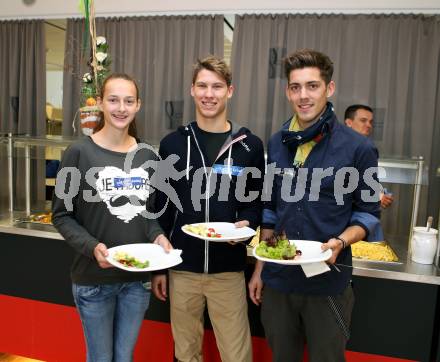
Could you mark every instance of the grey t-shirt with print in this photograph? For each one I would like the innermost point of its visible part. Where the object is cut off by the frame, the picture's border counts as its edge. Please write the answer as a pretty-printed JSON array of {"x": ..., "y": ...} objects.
[{"x": 98, "y": 199}]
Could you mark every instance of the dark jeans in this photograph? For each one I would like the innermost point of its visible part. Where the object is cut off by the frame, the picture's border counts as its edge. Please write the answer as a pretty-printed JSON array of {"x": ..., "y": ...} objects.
[{"x": 292, "y": 320}]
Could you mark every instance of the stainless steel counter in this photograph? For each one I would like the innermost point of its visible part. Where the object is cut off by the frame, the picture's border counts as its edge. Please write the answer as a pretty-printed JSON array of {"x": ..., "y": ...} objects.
[
  {"x": 405, "y": 270},
  {"x": 9, "y": 225}
]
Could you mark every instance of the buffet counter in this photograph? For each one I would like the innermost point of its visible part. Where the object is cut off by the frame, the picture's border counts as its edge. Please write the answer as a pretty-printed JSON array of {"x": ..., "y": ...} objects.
[
  {"x": 403, "y": 270},
  {"x": 10, "y": 225},
  {"x": 395, "y": 318},
  {"x": 407, "y": 270}
]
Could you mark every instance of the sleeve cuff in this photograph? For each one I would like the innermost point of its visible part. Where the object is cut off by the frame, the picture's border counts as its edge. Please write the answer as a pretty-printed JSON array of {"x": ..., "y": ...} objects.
[
  {"x": 160, "y": 272},
  {"x": 269, "y": 217},
  {"x": 90, "y": 248},
  {"x": 370, "y": 223},
  {"x": 154, "y": 232},
  {"x": 267, "y": 226}
]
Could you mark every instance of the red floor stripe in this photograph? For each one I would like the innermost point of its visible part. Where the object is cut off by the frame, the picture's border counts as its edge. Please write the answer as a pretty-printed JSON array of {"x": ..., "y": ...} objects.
[
  {"x": 52, "y": 333},
  {"x": 40, "y": 330}
]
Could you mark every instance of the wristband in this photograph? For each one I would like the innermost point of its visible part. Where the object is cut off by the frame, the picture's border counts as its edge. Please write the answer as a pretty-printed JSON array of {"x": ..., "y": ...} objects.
[{"x": 343, "y": 241}]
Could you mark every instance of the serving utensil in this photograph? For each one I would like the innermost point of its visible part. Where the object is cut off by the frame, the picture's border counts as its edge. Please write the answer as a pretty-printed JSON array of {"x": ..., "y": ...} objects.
[{"x": 429, "y": 223}]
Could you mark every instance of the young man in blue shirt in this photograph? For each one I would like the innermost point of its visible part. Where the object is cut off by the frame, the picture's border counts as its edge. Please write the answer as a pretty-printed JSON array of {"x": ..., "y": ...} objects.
[{"x": 315, "y": 310}]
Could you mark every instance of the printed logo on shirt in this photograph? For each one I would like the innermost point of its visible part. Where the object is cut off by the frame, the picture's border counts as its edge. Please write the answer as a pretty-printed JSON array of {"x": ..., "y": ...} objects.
[
  {"x": 129, "y": 182},
  {"x": 124, "y": 194},
  {"x": 225, "y": 170},
  {"x": 245, "y": 145}
]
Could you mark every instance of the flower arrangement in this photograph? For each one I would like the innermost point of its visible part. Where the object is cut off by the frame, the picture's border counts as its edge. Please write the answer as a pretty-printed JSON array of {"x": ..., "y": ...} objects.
[
  {"x": 89, "y": 112},
  {"x": 99, "y": 69}
]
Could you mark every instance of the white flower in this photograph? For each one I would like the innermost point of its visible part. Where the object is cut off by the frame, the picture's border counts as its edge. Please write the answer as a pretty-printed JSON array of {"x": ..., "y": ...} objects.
[
  {"x": 100, "y": 40},
  {"x": 87, "y": 78},
  {"x": 100, "y": 57}
]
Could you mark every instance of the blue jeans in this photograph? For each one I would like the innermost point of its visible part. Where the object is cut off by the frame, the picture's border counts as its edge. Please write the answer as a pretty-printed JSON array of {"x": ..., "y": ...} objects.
[{"x": 111, "y": 316}]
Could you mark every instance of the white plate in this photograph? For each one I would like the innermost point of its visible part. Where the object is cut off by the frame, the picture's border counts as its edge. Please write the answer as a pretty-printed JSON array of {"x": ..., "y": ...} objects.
[
  {"x": 311, "y": 253},
  {"x": 154, "y": 253},
  {"x": 227, "y": 230}
]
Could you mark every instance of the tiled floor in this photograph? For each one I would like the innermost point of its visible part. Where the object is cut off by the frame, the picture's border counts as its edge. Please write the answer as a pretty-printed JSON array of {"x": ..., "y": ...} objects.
[{"x": 11, "y": 358}]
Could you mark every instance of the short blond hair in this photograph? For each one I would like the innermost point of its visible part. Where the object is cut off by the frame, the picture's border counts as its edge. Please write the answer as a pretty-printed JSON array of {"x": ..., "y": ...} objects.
[{"x": 214, "y": 64}]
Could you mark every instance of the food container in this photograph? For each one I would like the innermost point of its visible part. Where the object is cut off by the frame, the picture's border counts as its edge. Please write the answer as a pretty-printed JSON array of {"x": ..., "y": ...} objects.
[
  {"x": 423, "y": 245},
  {"x": 374, "y": 251}
]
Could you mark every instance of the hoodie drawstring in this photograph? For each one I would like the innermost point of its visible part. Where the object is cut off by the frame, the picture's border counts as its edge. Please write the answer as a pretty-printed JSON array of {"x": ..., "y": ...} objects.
[
  {"x": 188, "y": 154},
  {"x": 229, "y": 162}
]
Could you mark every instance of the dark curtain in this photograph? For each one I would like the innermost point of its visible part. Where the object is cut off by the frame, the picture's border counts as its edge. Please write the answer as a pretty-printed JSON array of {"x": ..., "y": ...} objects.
[
  {"x": 23, "y": 102},
  {"x": 75, "y": 65},
  {"x": 23, "y": 77}
]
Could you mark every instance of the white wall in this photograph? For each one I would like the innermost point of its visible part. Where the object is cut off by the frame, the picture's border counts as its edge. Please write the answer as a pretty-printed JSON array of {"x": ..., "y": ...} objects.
[
  {"x": 69, "y": 8},
  {"x": 54, "y": 88}
]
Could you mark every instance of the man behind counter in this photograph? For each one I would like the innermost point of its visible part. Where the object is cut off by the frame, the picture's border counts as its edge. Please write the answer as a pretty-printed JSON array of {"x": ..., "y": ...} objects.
[{"x": 360, "y": 118}]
